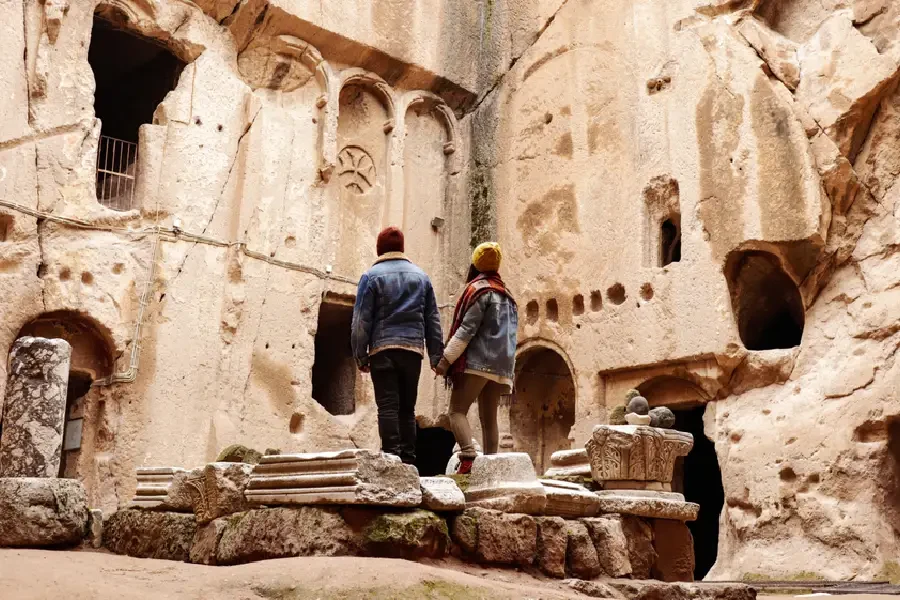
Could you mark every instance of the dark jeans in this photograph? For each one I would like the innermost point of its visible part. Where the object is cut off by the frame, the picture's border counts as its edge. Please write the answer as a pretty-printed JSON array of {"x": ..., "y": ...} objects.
[{"x": 395, "y": 375}]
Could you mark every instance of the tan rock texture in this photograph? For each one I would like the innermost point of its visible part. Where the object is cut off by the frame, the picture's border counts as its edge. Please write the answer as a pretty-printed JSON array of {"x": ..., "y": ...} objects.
[
  {"x": 42, "y": 512},
  {"x": 694, "y": 199},
  {"x": 150, "y": 534}
]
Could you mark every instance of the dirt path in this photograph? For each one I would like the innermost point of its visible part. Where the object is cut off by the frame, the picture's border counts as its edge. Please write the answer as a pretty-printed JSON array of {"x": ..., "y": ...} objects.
[{"x": 50, "y": 575}]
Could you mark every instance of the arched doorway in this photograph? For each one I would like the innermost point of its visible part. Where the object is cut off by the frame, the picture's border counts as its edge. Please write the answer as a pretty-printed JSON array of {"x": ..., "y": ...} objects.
[
  {"x": 542, "y": 410},
  {"x": 92, "y": 359}
]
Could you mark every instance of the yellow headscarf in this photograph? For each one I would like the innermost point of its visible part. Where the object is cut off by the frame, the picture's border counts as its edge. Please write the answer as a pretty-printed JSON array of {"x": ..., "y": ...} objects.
[{"x": 487, "y": 256}]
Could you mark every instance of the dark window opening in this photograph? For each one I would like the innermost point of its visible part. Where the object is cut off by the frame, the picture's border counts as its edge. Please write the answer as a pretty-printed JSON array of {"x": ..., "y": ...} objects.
[
  {"x": 578, "y": 305},
  {"x": 766, "y": 302},
  {"x": 552, "y": 310},
  {"x": 334, "y": 369},
  {"x": 698, "y": 477},
  {"x": 78, "y": 388},
  {"x": 532, "y": 312},
  {"x": 434, "y": 447},
  {"x": 670, "y": 241},
  {"x": 132, "y": 75}
]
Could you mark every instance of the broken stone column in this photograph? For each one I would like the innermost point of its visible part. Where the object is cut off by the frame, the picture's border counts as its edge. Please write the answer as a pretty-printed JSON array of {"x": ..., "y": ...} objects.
[{"x": 35, "y": 407}]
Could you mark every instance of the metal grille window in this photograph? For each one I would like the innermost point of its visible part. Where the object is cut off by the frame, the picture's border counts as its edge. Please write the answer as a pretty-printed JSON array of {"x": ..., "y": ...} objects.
[{"x": 116, "y": 168}]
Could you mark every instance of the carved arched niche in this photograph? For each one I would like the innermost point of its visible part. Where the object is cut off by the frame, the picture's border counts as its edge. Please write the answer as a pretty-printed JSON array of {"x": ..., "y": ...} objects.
[
  {"x": 428, "y": 131},
  {"x": 542, "y": 411},
  {"x": 362, "y": 169}
]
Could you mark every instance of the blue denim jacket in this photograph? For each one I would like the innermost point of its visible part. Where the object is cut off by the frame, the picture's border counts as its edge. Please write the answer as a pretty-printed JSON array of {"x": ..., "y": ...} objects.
[
  {"x": 395, "y": 307},
  {"x": 490, "y": 326}
]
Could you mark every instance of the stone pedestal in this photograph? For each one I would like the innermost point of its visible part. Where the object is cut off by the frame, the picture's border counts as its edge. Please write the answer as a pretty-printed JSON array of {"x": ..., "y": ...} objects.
[
  {"x": 634, "y": 464},
  {"x": 506, "y": 482},
  {"x": 35, "y": 407},
  {"x": 344, "y": 477}
]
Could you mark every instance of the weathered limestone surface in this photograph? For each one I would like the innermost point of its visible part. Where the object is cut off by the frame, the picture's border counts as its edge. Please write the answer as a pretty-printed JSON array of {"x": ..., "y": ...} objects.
[
  {"x": 569, "y": 500},
  {"x": 150, "y": 534},
  {"x": 280, "y": 532},
  {"x": 612, "y": 547},
  {"x": 642, "y": 554},
  {"x": 635, "y": 453},
  {"x": 153, "y": 487},
  {"x": 647, "y": 590},
  {"x": 410, "y": 535},
  {"x": 219, "y": 490},
  {"x": 35, "y": 405},
  {"x": 582, "y": 559},
  {"x": 552, "y": 543},
  {"x": 441, "y": 494},
  {"x": 506, "y": 482},
  {"x": 674, "y": 551},
  {"x": 41, "y": 512},
  {"x": 505, "y": 538},
  {"x": 345, "y": 477},
  {"x": 661, "y": 506},
  {"x": 569, "y": 463}
]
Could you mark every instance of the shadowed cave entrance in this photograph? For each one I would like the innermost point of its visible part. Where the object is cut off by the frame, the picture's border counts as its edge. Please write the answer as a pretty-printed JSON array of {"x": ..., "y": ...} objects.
[
  {"x": 434, "y": 447},
  {"x": 542, "y": 411},
  {"x": 765, "y": 301},
  {"x": 334, "y": 369},
  {"x": 698, "y": 477}
]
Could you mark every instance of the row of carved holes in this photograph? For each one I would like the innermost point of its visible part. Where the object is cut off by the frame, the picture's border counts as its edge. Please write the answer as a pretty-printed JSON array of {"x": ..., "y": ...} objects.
[{"x": 615, "y": 294}]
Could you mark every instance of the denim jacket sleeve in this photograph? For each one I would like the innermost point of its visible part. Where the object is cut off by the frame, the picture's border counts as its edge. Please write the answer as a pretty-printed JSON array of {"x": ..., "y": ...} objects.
[
  {"x": 363, "y": 317},
  {"x": 472, "y": 320},
  {"x": 434, "y": 337}
]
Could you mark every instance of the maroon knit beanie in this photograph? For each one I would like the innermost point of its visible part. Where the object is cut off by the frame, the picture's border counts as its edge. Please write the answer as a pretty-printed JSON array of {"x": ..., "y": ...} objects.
[{"x": 389, "y": 240}]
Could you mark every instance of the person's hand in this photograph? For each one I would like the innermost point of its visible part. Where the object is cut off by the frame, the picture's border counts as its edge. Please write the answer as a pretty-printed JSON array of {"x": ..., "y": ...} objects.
[
  {"x": 364, "y": 369},
  {"x": 442, "y": 367}
]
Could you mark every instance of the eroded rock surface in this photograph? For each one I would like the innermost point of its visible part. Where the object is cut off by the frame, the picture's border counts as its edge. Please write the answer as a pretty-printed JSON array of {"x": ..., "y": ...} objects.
[{"x": 42, "y": 512}]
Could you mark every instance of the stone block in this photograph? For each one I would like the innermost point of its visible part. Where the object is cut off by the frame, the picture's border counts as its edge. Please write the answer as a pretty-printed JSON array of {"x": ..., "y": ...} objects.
[
  {"x": 569, "y": 500},
  {"x": 286, "y": 531},
  {"x": 95, "y": 528},
  {"x": 34, "y": 408},
  {"x": 343, "y": 477},
  {"x": 654, "y": 590},
  {"x": 150, "y": 534},
  {"x": 504, "y": 538},
  {"x": 153, "y": 485},
  {"x": 551, "y": 545},
  {"x": 464, "y": 530},
  {"x": 441, "y": 494},
  {"x": 219, "y": 490},
  {"x": 652, "y": 505},
  {"x": 674, "y": 547},
  {"x": 180, "y": 496},
  {"x": 611, "y": 545},
  {"x": 42, "y": 512},
  {"x": 409, "y": 535},
  {"x": 569, "y": 463},
  {"x": 506, "y": 482},
  {"x": 581, "y": 556},
  {"x": 639, "y": 538},
  {"x": 206, "y": 542}
]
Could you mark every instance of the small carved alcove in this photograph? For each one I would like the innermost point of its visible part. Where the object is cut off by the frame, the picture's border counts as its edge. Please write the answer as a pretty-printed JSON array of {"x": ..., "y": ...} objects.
[{"x": 662, "y": 222}]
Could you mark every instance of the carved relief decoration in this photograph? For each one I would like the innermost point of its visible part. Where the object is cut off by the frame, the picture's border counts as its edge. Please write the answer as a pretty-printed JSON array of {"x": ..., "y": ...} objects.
[
  {"x": 280, "y": 62},
  {"x": 626, "y": 452},
  {"x": 356, "y": 169}
]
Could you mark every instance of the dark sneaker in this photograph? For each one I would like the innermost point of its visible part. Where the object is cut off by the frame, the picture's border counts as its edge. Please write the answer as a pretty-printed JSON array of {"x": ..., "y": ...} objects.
[{"x": 465, "y": 466}]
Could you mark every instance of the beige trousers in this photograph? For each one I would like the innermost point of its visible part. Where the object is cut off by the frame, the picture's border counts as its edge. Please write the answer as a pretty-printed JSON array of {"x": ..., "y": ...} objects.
[{"x": 468, "y": 387}]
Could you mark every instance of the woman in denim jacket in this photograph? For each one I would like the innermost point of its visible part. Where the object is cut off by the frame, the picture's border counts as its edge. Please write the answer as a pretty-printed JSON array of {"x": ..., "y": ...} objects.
[{"x": 480, "y": 355}]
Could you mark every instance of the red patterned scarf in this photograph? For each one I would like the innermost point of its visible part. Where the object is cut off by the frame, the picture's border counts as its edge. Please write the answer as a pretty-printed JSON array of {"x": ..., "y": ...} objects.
[{"x": 474, "y": 290}]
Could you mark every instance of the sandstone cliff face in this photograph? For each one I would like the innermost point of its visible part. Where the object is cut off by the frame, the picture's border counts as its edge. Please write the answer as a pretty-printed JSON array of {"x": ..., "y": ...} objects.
[
  {"x": 695, "y": 198},
  {"x": 765, "y": 134}
]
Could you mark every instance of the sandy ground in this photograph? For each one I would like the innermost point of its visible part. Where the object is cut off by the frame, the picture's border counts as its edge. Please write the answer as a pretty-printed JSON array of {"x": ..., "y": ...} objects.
[{"x": 58, "y": 575}]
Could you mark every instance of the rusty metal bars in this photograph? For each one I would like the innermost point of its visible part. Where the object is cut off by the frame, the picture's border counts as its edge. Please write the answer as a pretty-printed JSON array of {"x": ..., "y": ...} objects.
[{"x": 116, "y": 170}]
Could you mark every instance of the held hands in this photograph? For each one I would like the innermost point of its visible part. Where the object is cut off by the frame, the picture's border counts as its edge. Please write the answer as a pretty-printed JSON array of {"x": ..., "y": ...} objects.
[
  {"x": 364, "y": 369},
  {"x": 442, "y": 367}
]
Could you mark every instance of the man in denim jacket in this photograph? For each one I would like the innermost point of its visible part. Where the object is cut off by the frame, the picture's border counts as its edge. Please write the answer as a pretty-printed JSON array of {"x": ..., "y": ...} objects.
[{"x": 395, "y": 315}]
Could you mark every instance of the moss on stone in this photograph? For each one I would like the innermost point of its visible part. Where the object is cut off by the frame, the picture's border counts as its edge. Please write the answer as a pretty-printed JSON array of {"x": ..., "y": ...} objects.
[
  {"x": 239, "y": 453},
  {"x": 404, "y": 528},
  {"x": 890, "y": 571},
  {"x": 617, "y": 416},
  {"x": 632, "y": 393},
  {"x": 798, "y": 576},
  {"x": 429, "y": 590},
  {"x": 462, "y": 481}
]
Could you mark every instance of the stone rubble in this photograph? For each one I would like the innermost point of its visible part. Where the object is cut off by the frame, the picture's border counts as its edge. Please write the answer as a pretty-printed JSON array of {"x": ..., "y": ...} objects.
[
  {"x": 441, "y": 494},
  {"x": 42, "y": 512},
  {"x": 570, "y": 500}
]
